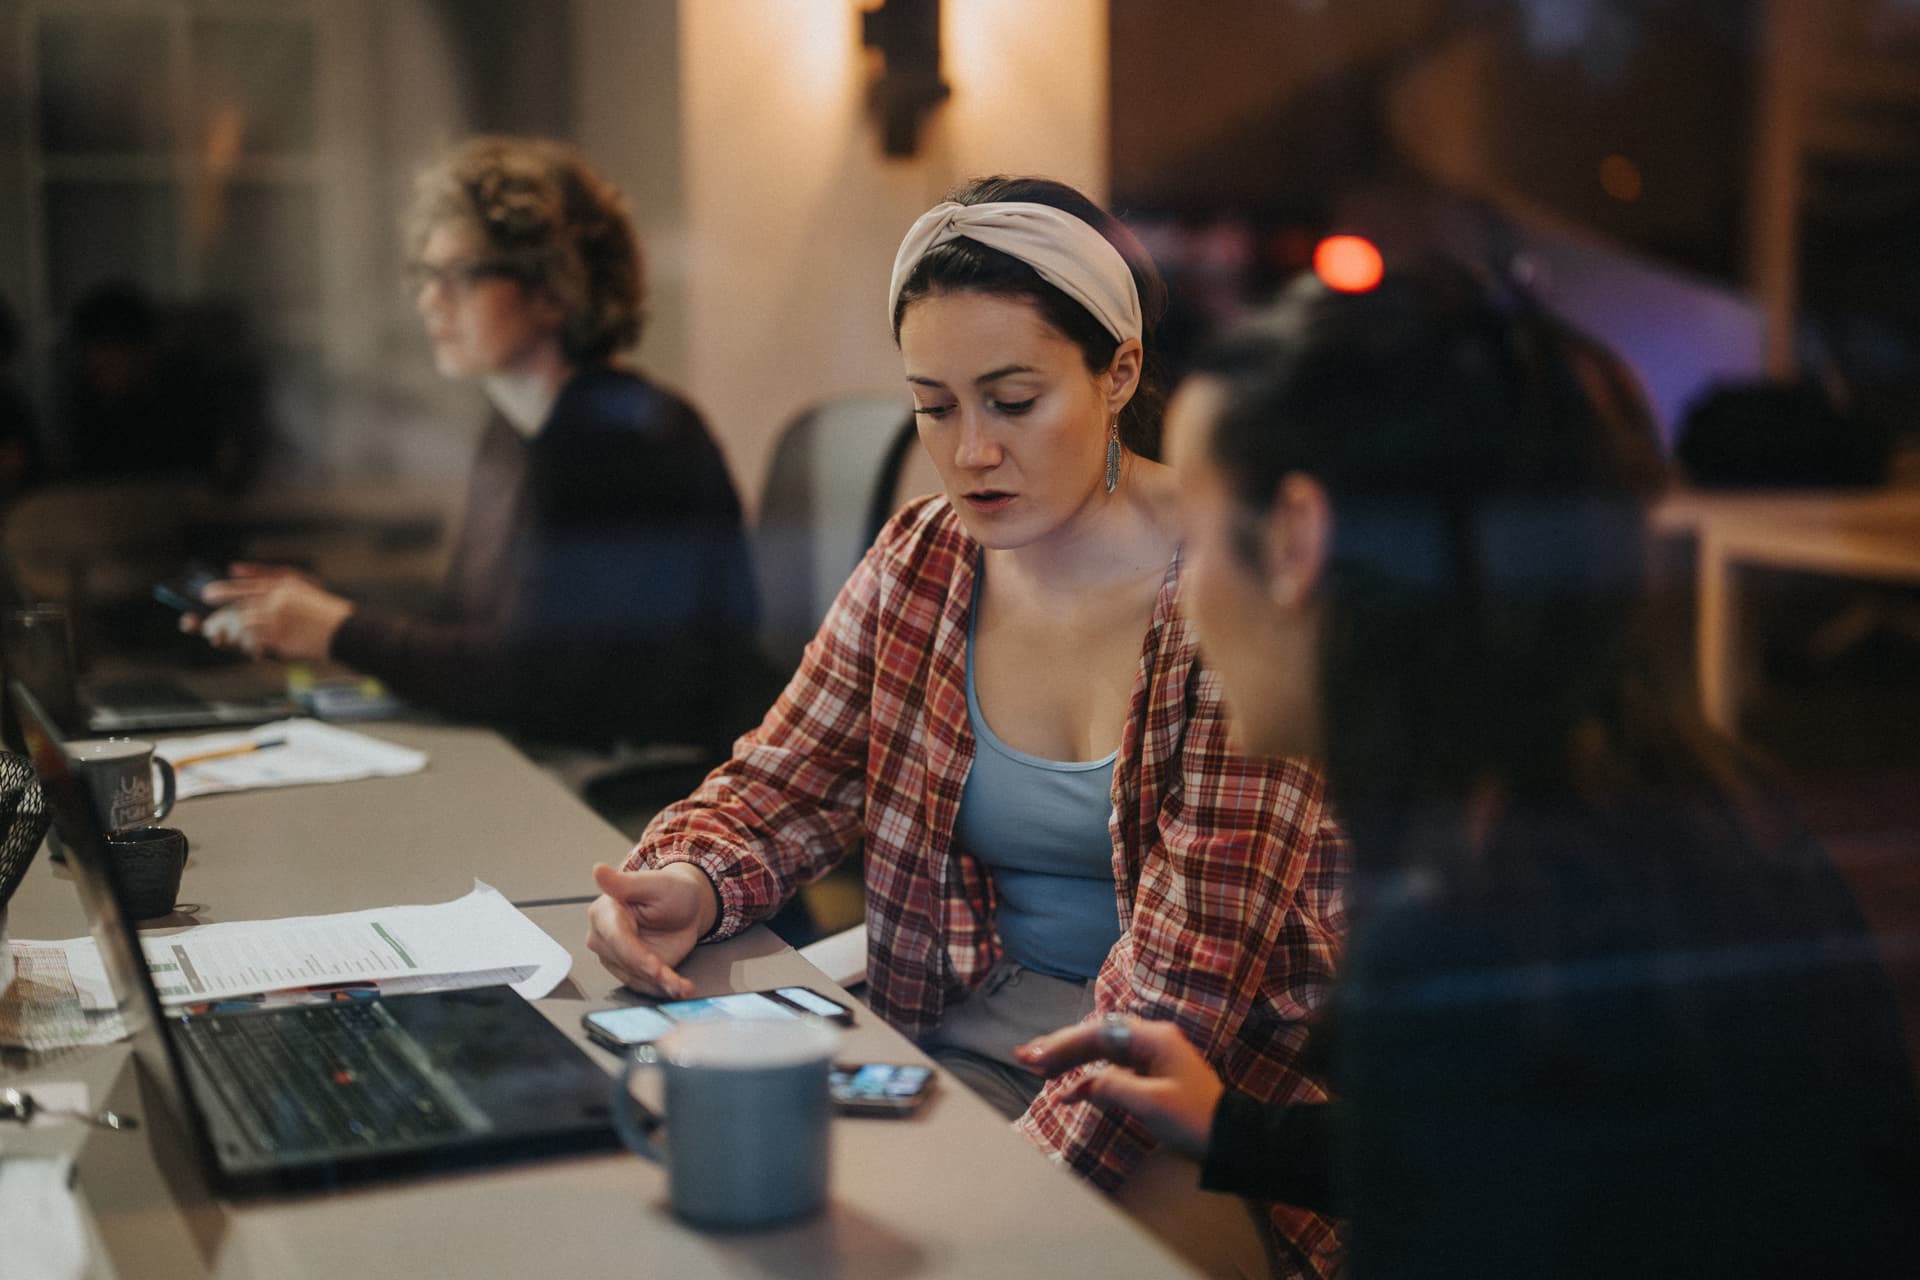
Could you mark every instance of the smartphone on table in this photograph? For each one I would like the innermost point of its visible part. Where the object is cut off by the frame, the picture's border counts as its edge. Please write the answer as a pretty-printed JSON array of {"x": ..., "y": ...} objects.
[
  {"x": 620, "y": 1029},
  {"x": 879, "y": 1088}
]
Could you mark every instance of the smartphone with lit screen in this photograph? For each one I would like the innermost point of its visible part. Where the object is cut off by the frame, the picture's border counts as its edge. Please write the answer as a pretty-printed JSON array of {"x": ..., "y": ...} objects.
[
  {"x": 879, "y": 1088},
  {"x": 619, "y": 1029}
]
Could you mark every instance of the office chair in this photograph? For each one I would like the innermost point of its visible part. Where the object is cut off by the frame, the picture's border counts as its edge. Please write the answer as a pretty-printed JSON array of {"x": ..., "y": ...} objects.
[
  {"x": 839, "y": 473},
  {"x": 817, "y": 512}
]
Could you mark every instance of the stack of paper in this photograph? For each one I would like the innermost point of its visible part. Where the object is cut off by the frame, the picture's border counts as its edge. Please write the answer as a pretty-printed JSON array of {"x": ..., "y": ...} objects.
[
  {"x": 285, "y": 753},
  {"x": 43, "y": 1010}
]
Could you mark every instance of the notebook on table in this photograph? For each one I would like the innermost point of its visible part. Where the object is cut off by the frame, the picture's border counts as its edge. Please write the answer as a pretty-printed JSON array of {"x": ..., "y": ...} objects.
[{"x": 295, "y": 1096}]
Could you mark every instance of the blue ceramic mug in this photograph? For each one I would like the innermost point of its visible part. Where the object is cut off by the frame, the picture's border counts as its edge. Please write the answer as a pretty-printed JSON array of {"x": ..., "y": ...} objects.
[{"x": 744, "y": 1138}]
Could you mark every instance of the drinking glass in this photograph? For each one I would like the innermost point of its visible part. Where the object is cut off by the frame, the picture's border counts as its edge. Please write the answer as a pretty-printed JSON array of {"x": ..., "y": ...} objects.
[{"x": 37, "y": 645}]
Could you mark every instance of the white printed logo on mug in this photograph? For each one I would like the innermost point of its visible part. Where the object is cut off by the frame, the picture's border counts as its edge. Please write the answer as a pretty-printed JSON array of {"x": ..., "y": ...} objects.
[{"x": 132, "y": 801}]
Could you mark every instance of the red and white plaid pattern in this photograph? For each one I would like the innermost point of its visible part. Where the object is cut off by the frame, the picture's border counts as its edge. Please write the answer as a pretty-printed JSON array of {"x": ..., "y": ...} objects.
[{"x": 1229, "y": 869}]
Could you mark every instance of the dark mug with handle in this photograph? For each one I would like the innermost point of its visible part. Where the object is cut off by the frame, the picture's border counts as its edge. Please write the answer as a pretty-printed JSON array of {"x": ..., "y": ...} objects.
[{"x": 119, "y": 775}]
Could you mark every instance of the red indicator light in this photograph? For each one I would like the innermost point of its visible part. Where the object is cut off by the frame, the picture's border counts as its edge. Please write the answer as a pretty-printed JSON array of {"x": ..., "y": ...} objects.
[{"x": 1348, "y": 263}]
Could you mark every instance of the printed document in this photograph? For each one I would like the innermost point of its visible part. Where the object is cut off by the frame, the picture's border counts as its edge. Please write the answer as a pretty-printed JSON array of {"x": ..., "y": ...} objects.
[
  {"x": 286, "y": 753},
  {"x": 475, "y": 940}
]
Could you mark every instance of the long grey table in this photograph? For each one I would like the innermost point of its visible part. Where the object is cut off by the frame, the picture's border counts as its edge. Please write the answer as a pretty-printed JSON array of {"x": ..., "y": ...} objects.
[{"x": 953, "y": 1192}]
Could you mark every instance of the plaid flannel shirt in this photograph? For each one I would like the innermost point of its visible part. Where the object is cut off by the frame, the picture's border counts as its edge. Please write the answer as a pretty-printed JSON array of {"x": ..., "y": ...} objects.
[{"x": 1227, "y": 869}]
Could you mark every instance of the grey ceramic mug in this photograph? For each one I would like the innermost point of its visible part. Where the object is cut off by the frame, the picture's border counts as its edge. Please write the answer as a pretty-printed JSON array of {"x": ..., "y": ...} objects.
[
  {"x": 119, "y": 774},
  {"x": 744, "y": 1139}
]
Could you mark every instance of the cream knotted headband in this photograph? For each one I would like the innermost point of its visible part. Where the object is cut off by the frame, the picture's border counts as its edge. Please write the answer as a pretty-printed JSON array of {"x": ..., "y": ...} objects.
[{"x": 1068, "y": 254}]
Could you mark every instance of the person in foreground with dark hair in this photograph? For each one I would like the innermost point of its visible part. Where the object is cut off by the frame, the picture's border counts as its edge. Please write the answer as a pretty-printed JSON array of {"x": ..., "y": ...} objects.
[
  {"x": 600, "y": 587},
  {"x": 1606, "y": 1008},
  {"x": 1005, "y": 710}
]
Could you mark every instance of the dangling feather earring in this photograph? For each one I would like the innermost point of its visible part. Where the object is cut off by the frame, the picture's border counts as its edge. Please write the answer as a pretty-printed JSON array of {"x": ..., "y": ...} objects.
[{"x": 1113, "y": 457}]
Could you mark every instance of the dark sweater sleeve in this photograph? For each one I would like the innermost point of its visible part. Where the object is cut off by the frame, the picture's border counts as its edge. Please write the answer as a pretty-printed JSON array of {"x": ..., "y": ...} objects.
[
  {"x": 629, "y": 600},
  {"x": 1273, "y": 1151}
]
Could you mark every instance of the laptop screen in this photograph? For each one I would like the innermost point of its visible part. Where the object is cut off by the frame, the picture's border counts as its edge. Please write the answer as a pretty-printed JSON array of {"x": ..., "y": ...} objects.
[{"x": 134, "y": 994}]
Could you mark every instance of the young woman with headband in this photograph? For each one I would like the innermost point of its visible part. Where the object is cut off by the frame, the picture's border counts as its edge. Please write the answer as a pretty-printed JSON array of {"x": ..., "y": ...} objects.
[{"x": 1006, "y": 710}]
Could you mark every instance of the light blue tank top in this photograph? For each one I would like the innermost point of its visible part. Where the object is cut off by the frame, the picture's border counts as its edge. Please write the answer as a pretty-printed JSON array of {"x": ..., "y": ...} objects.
[{"x": 1040, "y": 829}]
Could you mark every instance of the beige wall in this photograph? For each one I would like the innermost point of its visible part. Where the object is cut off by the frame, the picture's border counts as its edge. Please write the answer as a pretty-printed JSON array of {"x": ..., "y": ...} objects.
[
  {"x": 627, "y": 114},
  {"x": 737, "y": 129},
  {"x": 791, "y": 212}
]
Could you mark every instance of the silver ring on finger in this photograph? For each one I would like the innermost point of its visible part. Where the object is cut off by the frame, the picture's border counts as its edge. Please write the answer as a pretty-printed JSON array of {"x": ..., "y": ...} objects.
[{"x": 1116, "y": 1038}]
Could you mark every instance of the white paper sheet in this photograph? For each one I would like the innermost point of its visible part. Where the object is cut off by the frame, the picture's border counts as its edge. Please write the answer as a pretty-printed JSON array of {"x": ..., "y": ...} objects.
[
  {"x": 308, "y": 752},
  {"x": 40, "y": 1220},
  {"x": 474, "y": 940}
]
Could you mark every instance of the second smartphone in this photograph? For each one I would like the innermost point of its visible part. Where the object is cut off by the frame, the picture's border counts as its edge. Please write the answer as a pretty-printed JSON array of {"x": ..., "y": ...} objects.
[{"x": 619, "y": 1029}]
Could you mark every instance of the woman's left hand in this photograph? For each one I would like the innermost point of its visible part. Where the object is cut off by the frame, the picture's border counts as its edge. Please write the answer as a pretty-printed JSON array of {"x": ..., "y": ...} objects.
[
  {"x": 287, "y": 616},
  {"x": 1161, "y": 1078}
]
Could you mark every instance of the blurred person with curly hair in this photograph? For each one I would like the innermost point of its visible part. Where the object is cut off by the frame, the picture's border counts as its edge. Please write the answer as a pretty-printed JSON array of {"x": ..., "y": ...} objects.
[{"x": 599, "y": 589}]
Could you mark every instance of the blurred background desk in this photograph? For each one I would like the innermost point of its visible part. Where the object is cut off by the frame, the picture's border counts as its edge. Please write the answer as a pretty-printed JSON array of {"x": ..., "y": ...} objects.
[{"x": 1871, "y": 535}]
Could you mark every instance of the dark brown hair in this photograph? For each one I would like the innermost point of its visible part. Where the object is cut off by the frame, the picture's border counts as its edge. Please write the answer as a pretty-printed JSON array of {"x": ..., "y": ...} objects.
[{"x": 1482, "y": 604}]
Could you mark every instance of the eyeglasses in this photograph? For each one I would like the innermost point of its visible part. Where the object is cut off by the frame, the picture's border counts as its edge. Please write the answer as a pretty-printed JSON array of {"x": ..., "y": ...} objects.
[{"x": 456, "y": 277}]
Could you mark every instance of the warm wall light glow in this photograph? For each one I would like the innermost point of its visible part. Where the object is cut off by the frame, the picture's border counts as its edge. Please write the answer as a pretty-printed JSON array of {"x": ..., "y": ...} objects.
[
  {"x": 819, "y": 44},
  {"x": 1348, "y": 263},
  {"x": 1620, "y": 178},
  {"x": 1014, "y": 63}
]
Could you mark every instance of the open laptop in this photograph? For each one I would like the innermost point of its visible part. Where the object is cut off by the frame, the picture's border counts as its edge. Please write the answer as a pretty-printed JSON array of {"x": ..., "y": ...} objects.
[
  {"x": 148, "y": 704},
  {"x": 157, "y": 703},
  {"x": 298, "y": 1096}
]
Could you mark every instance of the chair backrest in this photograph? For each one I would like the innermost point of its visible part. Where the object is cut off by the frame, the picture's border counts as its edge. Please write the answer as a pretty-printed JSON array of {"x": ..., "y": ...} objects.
[{"x": 816, "y": 512}]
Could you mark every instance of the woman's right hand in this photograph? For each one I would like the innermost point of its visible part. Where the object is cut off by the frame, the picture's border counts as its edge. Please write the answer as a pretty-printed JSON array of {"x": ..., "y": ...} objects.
[{"x": 645, "y": 922}]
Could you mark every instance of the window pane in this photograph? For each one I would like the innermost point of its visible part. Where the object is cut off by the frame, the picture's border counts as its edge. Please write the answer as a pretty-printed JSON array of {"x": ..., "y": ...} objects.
[
  {"x": 266, "y": 247},
  {"x": 109, "y": 231},
  {"x": 103, "y": 84},
  {"x": 253, "y": 86}
]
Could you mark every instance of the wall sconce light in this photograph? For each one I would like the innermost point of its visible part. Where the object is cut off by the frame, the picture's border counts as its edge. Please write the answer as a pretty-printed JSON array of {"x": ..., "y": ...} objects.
[{"x": 908, "y": 85}]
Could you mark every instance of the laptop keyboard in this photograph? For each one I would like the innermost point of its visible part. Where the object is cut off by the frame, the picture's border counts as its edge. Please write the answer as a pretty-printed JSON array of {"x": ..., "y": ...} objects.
[{"x": 328, "y": 1078}]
